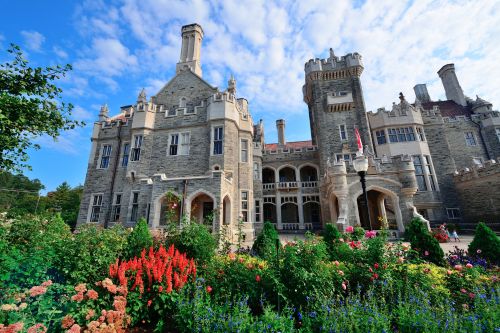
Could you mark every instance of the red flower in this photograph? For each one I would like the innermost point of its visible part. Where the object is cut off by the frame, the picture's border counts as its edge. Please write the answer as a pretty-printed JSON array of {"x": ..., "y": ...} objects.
[
  {"x": 376, "y": 265},
  {"x": 149, "y": 303},
  {"x": 257, "y": 278},
  {"x": 160, "y": 289},
  {"x": 375, "y": 276},
  {"x": 209, "y": 289}
]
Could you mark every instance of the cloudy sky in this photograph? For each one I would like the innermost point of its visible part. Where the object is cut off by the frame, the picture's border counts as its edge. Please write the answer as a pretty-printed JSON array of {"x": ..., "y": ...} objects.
[{"x": 117, "y": 47}]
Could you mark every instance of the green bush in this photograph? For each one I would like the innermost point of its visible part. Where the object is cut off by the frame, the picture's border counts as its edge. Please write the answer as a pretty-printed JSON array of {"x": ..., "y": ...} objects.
[
  {"x": 424, "y": 243},
  {"x": 485, "y": 244},
  {"x": 196, "y": 241},
  {"x": 140, "y": 238},
  {"x": 87, "y": 256},
  {"x": 265, "y": 244}
]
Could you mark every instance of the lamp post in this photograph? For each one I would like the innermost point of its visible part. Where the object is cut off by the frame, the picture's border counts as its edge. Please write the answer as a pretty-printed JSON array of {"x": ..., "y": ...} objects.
[{"x": 361, "y": 166}]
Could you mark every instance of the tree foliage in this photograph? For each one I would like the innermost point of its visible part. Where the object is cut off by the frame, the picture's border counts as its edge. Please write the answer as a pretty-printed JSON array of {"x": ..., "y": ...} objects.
[
  {"x": 486, "y": 244},
  {"x": 30, "y": 106},
  {"x": 65, "y": 200},
  {"x": 423, "y": 242},
  {"x": 19, "y": 194}
]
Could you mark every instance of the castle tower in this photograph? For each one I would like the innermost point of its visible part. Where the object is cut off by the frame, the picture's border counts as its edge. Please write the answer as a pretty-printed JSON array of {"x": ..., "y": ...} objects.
[
  {"x": 451, "y": 85},
  {"x": 192, "y": 35},
  {"x": 336, "y": 106}
]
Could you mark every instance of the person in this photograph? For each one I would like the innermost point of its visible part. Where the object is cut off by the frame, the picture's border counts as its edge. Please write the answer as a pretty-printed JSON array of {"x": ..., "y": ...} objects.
[{"x": 455, "y": 235}]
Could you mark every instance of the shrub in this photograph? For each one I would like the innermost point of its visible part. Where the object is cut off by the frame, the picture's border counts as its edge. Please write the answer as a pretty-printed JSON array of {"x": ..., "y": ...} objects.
[
  {"x": 265, "y": 244},
  {"x": 485, "y": 244},
  {"x": 87, "y": 256},
  {"x": 196, "y": 241},
  {"x": 422, "y": 241},
  {"x": 140, "y": 238}
]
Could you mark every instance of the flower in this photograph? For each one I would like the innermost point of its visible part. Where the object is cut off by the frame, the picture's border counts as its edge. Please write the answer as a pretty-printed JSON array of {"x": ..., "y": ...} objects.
[
  {"x": 349, "y": 229},
  {"x": 426, "y": 253},
  {"x": 370, "y": 234},
  {"x": 469, "y": 265},
  {"x": 23, "y": 306},
  {"x": 16, "y": 327},
  {"x": 38, "y": 290},
  {"x": 92, "y": 294},
  {"x": 6, "y": 307},
  {"x": 478, "y": 251},
  {"x": 90, "y": 314},
  {"x": 458, "y": 267},
  {"x": 449, "y": 272},
  {"x": 160, "y": 289},
  {"x": 209, "y": 289},
  {"x": 344, "y": 286},
  {"x": 149, "y": 303},
  {"x": 47, "y": 283},
  {"x": 38, "y": 328},
  {"x": 82, "y": 287},
  {"x": 336, "y": 263},
  {"x": 463, "y": 291},
  {"x": 67, "y": 322},
  {"x": 74, "y": 329},
  {"x": 78, "y": 297},
  {"x": 376, "y": 265},
  {"x": 257, "y": 278},
  {"x": 241, "y": 260},
  {"x": 341, "y": 273}
]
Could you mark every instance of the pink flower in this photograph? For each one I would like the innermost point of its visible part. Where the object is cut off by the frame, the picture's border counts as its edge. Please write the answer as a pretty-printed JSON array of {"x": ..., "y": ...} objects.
[
  {"x": 92, "y": 294},
  {"x": 74, "y": 329},
  {"x": 463, "y": 291},
  {"x": 458, "y": 267},
  {"x": 449, "y": 272},
  {"x": 426, "y": 253},
  {"x": 149, "y": 303},
  {"x": 469, "y": 265},
  {"x": 82, "y": 287},
  {"x": 341, "y": 240},
  {"x": 67, "y": 322},
  {"x": 336, "y": 263},
  {"x": 341, "y": 273},
  {"x": 478, "y": 251},
  {"x": 257, "y": 278},
  {"x": 47, "y": 284},
  {"x": 78, "y": 297},
  {"x": 472, "y": 295},
  {"x": 37, "y": 290},
  {"x": 344, "y": 286},
  {"x": 38, "y": 328},
  {"x": 349, "y": 229},
  {"x": 16, "y": 327},
  {"x": 370, "y": 234},
  {"x": 209, "y": 289}
]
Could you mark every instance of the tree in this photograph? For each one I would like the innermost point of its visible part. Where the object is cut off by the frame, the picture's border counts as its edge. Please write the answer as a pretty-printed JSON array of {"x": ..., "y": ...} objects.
[
  {"x": 30, "y": 106},
  {"x": 423, "y": 242},
  {"x": 19, "y": 194},
  {"x": 486, "y": 244},
  {"x": 65, "y": 200}
]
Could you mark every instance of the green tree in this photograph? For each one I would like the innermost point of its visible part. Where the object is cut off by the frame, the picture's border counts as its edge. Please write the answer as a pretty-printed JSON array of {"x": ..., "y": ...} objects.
[
  {"x": 265, "y": 244},
  {"x": 139, "y": 239},
  {"x": 66, "y": 201},
  {"x": 19, "y": 194},
  {"x": 423, "y": 242},
  {"x": 485, "y": 244},
  {"x": 30, "y": 106}
]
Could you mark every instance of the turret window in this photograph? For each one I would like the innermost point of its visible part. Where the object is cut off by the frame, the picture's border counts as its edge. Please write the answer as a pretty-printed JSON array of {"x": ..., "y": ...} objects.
[
  {"x": 136, "y": 151},
  {"x": 244, "y": 150},
  {"x": 420, "y": 134},
  {"x": 126, "y": 151},
  {"x": 244, "y": 206},
  {"x": 402, "y": 134},
  {"x": 419, "y": 173},
  {"x": 470, "y": 139},
  {"x": 218, "y": 139},
  {"x": 106, "y": 153}
]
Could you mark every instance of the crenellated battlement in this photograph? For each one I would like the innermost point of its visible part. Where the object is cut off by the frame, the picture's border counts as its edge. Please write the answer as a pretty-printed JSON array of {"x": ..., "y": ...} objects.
[
  {"x": 351, "y": 63},
  {"x": 489, "y": 168}
]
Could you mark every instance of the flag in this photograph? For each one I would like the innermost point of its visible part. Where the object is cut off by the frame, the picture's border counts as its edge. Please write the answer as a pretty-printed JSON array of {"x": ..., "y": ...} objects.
[{"x": 358, "y": 141}]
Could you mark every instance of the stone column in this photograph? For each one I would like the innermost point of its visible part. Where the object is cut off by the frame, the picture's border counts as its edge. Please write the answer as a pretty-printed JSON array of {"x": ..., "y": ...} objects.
[{"x": 301, "y": 212}]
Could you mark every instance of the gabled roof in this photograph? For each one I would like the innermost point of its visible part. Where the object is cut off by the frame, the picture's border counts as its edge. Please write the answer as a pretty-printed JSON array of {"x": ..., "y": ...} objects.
[
  {"x": 181, "y": 73},
  {"x": 290, "y": 145}
]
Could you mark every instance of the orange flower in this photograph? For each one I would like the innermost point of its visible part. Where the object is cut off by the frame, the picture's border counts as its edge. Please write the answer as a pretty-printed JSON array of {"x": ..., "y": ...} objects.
[
  {"x": 38, "y": 328},
  {"x": 67, "y": 322},
  {"x": 78, "y": 297},
  {"x": 82, "y": 287},
  {"x": 92, "y": 294},
  {"x": 90, "y": 314},
  {"x": 37, "y": 290}
]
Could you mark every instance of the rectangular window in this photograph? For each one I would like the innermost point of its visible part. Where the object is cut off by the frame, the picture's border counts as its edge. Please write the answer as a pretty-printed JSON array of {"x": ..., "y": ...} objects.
[
  {"x": 172, "y": 112},
  {"x": 343, "y": 133},
  {"x": 420, "y": 134},
  {"x": 173, "y": 145},
  {"x": 244, "y": 206},
  {"x": 381, "y": 139},
  {"x": 244, "y": 150},
  {"x": 470, "y": 140},
  {"x": 185, "y": 140},
  {"x": 117, "y": 203},
  {"x": 218, "y": 139},
  {"x": 257, "y": 211},
  {"x": 410, "y": 134},
  {"x": 256, "y": 171},
  {"x": 106, "y": 153},
  {"x": 497, "y": 130},
  {"x": 401, "y": 134},
  {"x": 96, "y": 208},
  {"x": 419, "y": 173},
  {"x": 428, "y": 168},
  {"x": 453, "y": 213},
  {"x": 126, "y": 151},
  {"x": 393, "y": 137},
  {"x": 135, "y": 206},
  {"x": 136, "y": 150}
]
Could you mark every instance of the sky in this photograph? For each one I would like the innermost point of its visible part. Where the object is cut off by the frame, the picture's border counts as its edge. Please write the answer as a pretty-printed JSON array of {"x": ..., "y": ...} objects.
[{"x": 118, "y": 47}]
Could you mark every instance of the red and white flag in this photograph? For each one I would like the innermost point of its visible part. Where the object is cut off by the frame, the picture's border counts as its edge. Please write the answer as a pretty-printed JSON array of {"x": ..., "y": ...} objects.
[{"x": 358, "y": 141}]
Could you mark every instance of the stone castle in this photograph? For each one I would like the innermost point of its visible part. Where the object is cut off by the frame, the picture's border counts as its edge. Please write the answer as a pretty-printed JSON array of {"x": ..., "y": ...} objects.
[{"x": 194, "y": 150}]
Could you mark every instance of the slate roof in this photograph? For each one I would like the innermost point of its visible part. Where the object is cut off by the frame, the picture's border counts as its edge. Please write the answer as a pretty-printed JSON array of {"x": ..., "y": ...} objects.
[{"x": 291, "y": 145}]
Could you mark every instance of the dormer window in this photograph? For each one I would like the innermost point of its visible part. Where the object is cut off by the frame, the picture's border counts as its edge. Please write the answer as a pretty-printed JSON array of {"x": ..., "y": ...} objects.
[{"x": 182, "y": 102}]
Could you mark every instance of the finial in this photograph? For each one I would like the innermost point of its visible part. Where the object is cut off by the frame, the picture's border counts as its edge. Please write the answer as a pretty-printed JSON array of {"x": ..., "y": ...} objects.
[
  {"x": 103, "y": 113},
  {"x": 401, "y": 97},
  {"x": 231, "y": 85},
  {"x": 142, "y": 96}
]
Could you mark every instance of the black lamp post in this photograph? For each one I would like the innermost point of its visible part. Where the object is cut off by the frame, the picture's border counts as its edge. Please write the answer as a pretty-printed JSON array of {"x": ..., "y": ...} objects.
[{"x": 361, "y": 166}]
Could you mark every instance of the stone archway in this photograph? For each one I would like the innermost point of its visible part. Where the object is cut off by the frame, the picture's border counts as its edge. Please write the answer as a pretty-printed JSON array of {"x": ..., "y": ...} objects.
[
  {"x": 226, "y": 210},
  {"x": 166, "y": 207},
  {"x": 202, "y": 208}
]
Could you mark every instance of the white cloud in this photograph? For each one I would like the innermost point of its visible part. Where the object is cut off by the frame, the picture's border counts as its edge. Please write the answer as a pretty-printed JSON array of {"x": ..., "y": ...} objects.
[
  {"x": 60, "y": 52},
  {"x": 33, "y": 40},
  {"x": 266, "y": 43},
  {"x": 81, "y": 114}
]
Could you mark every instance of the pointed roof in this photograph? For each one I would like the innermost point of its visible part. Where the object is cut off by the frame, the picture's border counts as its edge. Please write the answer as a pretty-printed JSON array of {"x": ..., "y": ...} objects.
[{"x": 142, "y": 96}]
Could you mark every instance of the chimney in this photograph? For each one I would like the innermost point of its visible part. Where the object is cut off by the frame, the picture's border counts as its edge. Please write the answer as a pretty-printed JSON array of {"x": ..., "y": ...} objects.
[
  {"x": 280, "y": 126},
  {"x": 192, "y": 35},
  {"x": 451, "y": 86},
  {"x": 421, "y": 93}
]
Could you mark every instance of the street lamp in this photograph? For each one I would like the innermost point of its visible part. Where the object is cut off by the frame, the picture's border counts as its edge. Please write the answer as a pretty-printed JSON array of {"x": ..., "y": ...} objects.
[{"x": 361, "y": 166}]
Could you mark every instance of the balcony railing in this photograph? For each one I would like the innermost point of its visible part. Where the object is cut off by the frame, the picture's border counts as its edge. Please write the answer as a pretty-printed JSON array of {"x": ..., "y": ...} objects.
[
  {"x": 268, "y": 186},
  {"x": 289, "y": 185}
]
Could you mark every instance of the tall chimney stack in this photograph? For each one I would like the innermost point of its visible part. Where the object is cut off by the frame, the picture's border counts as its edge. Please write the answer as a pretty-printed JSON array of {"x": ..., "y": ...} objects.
[
  {"x": 421, "y": 93},
  {"x": 280, "y": 126},
  {"x": 192, "y": 35},
  {"x": 451, "y": 85}
]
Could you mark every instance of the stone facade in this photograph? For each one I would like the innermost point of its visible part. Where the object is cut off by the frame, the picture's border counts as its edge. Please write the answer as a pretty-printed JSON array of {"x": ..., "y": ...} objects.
[{"x": 196, "y": 143}]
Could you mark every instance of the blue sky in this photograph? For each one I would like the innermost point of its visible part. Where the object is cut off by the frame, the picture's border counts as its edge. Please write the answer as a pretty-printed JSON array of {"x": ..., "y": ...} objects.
[{"x": 118, "y": 47}]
